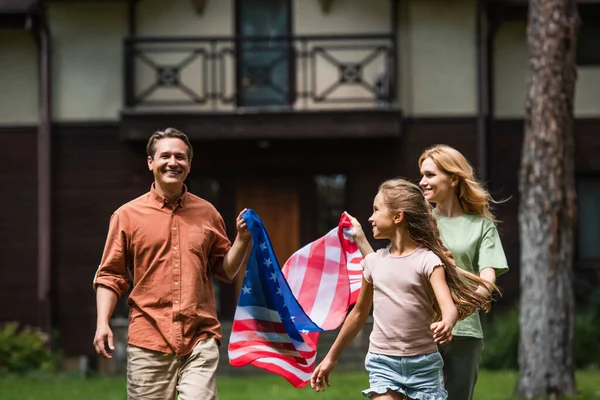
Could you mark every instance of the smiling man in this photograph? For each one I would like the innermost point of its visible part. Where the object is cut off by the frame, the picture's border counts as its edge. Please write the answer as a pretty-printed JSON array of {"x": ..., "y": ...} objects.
[{"x": 171, "y": 243}]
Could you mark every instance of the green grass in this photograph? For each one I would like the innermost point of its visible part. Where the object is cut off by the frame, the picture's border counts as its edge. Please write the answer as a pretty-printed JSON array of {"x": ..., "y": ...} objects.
[{"x": 345, "y": 385}]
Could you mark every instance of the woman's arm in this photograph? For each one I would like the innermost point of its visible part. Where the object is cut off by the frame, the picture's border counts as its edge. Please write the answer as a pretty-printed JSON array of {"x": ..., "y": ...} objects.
[
  {"x": 442, "y": 330},
  {"x": 489, "y": 274}
]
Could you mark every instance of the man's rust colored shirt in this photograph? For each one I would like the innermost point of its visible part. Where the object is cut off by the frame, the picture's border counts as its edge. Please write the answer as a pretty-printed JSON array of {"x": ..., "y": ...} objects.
[{"x": 171, "y": 251}]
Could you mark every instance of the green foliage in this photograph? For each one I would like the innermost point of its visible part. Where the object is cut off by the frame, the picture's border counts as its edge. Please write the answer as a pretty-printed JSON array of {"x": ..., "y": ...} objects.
[
  {"x": 24, "y": 350},
  {"x": 502, "y": 340},
  {"x": 587, "y": 340}
]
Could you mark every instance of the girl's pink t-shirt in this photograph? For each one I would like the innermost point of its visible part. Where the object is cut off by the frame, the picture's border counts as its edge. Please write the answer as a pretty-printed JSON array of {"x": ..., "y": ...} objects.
[{"x": 403, "y": 301}]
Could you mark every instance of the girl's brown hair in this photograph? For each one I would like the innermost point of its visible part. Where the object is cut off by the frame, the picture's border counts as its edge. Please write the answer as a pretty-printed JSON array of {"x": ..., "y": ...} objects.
[
  {"x": 401, "y": 195},
  {"x": 473, "y": 198}
]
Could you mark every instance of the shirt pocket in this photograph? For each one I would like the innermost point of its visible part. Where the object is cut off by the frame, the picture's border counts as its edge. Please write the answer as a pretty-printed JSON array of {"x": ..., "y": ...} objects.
[{"x": 199, "y": 244}]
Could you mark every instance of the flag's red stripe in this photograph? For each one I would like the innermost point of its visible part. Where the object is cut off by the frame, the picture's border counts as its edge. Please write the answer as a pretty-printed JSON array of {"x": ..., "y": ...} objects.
[
  {"x": 275, "y": 345},
  {"x": 296, "y": 381},
  {"x": 286, "y": 373},
  {"x": 258, "y": 326},
  {"x": 339, "y": 306},
  {"x": 304, "y": 368},
  {"x": 246, "y": 359},
  {"x": 312, "y": 276},
  {"x": 304, "y": 354}
]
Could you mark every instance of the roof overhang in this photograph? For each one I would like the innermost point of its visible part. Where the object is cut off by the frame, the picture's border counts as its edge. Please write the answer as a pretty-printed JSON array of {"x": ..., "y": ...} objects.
[{"x": 19, "y": 13}]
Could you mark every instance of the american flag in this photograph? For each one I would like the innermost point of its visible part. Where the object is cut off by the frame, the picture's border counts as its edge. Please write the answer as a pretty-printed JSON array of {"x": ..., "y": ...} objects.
[{"x": 280, "y": 312}]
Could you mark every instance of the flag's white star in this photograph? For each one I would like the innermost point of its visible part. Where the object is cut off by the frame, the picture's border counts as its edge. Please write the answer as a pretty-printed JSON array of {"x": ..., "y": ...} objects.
[
  {"x": 279, "y": 291},
  {"x": 246, "y": 290},
  {"x": 293, "y": 318},
  {"x": 263, "y": 246},
  {"x": 304, "y": 332},
  {"x": 246, "y": 273},
  {"x": 273, "y": 277},
  {"x": 267, "y": 262}
]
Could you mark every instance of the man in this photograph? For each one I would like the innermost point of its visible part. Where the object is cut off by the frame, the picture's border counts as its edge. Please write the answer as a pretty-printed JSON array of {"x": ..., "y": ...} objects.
[{"x": 171, "y": 242}]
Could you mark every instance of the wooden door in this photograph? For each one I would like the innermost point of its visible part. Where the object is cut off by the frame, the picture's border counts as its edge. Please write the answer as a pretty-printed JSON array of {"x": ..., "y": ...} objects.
[{"x": 276, "y": 203}]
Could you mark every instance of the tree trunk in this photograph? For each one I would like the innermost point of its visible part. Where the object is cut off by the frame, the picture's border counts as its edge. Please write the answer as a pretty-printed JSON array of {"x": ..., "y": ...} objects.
[{"x": 547, "y": 203}]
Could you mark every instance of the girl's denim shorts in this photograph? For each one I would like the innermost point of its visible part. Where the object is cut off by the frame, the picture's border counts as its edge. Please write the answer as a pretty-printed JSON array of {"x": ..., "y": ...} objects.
[{"x": 418, "y": 377}]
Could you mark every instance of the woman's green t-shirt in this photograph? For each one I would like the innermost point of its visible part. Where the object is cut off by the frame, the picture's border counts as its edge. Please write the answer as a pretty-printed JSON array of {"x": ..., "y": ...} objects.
[{"x": 475, "y": 243}]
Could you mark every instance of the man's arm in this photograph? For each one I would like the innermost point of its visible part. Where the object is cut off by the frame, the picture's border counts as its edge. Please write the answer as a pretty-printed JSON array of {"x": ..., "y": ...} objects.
[
  {"x": 106, "y": 301},
  {"x": 238, "y": 255},
  {"x": 110, "y": 282}
]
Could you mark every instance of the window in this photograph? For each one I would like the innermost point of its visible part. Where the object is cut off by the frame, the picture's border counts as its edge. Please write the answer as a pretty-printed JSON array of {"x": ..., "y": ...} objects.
[
  {"x": 588, "y": 50},
  {"x": 588, "y": 233},
  {"x": 331, "y": 201},
  {"x": 264, "y": 59}
]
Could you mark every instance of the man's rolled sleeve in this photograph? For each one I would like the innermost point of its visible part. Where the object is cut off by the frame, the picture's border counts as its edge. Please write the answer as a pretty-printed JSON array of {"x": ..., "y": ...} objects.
[
  {"x": 112, "y": 271},
  {"x": 219, "y": 249}
]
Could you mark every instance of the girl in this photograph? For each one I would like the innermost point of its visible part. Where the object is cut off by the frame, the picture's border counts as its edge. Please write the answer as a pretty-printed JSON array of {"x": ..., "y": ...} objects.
[
  {"x": 468, "y": 229},
  {"x": 417, "y": 295}
]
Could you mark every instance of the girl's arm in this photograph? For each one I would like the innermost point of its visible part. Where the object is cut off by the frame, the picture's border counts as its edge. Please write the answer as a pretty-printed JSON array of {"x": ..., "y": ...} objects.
[
  {"x": 442, "y": 330},
  {"x": 359, "y": 236},
  {"x": 352, "y": 325}
]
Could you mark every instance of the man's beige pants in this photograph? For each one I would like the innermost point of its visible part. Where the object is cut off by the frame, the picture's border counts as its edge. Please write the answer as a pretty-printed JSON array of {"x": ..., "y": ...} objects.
[{"x": 152, "y": 375}]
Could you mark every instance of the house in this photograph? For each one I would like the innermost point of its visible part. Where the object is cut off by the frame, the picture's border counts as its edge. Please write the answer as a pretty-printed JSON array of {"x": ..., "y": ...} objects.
[{"x": 296, "y": 108}]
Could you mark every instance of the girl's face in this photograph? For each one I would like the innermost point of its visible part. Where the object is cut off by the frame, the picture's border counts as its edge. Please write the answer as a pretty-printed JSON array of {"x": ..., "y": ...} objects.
[
  {"x": 437, "y": 185},
  {"x": 382, "y": 220}
]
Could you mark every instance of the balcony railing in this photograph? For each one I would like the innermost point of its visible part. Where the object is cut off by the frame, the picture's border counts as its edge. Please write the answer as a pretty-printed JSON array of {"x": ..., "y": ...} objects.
[{"x": 302, "y": 72}]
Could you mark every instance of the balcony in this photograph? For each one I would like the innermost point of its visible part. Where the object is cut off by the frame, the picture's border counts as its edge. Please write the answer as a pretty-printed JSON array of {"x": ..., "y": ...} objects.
[{"x": 214, "y": 79}]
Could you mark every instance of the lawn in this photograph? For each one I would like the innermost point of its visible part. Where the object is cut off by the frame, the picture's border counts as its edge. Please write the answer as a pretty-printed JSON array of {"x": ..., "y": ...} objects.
[{"x": 491, "y": 386}]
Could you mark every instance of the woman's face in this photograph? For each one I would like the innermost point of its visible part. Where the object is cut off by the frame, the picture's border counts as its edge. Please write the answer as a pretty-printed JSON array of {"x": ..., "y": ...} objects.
[{"x": 437, "y": 185}]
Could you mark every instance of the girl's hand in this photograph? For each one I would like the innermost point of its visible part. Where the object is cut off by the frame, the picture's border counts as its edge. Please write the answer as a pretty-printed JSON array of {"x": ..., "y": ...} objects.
[
  {"x": 320, "y": 375},
  {"x": 442, "y": 331},
  {"x": 358, "y": 231}
]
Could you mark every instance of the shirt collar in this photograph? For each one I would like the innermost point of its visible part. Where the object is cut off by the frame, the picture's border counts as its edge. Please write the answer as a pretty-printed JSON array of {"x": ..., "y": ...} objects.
[{"x": 162, "y": 201}]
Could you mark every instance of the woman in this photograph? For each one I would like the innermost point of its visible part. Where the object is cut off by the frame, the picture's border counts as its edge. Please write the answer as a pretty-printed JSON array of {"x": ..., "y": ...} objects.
[{"x": 468, "y": 230}]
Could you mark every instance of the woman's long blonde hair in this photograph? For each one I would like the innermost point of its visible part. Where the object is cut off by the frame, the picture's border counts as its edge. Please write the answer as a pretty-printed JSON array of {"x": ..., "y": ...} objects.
[
  {"x": 401, "y": 195},
  {"x": 473, "y": 198}
]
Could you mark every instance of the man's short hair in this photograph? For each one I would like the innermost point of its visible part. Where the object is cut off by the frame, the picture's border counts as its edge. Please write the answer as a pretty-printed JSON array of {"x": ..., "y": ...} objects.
[{"x": 168, "y": 133}]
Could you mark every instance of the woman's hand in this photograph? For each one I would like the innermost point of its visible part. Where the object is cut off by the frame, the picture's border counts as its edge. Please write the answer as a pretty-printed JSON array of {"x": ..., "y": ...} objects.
[{"x": 320, "y": 376}]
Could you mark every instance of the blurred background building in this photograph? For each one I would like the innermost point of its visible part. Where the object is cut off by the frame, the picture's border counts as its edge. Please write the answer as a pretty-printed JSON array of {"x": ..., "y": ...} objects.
[{"x": 296, "y": 108}]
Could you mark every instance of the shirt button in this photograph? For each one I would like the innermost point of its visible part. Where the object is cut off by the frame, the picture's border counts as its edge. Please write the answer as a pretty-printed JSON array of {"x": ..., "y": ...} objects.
[
  {"x": 175, "y": 248},
  {"x": 176, "y": 301},
  {"x": 174, "y": 228},
  {"x": 176, "y": 322},
  {"x": 176, "y": 283},
  {"x": 176, "y": 265}
]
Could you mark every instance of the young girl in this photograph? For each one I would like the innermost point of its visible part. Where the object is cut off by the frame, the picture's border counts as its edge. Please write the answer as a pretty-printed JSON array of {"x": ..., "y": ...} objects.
[
  {"x": 468, "y": 229},
  {"x": 417, "y": 295}
]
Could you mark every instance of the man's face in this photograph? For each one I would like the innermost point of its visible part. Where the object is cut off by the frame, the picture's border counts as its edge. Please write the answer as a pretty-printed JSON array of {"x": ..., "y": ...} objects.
[{"x": 170, "y": 164}]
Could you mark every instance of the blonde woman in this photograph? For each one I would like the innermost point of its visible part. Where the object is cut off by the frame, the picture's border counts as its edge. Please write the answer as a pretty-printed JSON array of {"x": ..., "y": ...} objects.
[{"x": 468, "y": 229}]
